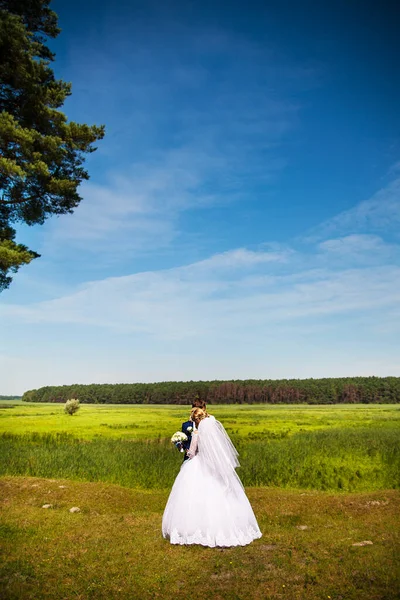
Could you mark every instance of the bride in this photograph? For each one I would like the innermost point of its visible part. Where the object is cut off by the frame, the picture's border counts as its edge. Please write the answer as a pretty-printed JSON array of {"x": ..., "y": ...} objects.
[{"x": 207, "y": 504}]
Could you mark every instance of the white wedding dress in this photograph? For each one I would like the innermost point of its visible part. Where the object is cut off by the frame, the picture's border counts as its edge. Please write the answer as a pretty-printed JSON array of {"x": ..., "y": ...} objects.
[{"x": 207, "y": 504}]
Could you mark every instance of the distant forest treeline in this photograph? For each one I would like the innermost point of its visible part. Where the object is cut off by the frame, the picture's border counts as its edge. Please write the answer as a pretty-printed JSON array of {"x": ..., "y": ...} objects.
[
  {"x": 10, "y": 397},
  {"x": 345, "y": 390}
]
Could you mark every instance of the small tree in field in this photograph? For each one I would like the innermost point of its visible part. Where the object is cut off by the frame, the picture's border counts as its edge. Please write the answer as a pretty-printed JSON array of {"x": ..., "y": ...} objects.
[{"x": 71, "y": 406}]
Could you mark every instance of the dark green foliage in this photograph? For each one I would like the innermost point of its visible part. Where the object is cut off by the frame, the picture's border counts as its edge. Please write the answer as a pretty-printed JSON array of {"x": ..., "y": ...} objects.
[
  {"x": 353, "y": 390},
  {"x": 41, "y": 154},
  {"x": 12, "y": 256}
]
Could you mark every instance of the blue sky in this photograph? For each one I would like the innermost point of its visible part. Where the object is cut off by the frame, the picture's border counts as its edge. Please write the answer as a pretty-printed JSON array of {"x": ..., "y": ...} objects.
[{"x": 242, "y": 216}]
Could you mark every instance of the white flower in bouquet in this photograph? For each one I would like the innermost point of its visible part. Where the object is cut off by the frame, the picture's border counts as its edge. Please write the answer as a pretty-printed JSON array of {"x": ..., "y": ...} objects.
[{"x": 178, "y": 438}]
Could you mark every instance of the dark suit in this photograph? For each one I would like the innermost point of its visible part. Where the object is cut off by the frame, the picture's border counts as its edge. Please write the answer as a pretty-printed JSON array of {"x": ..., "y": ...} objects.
[{"x": 186, "y": 445}]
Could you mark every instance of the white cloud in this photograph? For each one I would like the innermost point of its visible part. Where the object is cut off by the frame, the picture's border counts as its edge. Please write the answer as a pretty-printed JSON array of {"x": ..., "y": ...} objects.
[
  {"x": 226, "y": 315},
  {"x": 379, "y": 213},
  {"x": 351, "y": 244},
  {"x": 223, "y": 294},
  {"x": 241, "y": 258},
  {"x": 222, "y": 134},
  {"x": 140, "y": 211},
  {"x": 360, "y": 249},
  {"x": 234, "y": 291}
]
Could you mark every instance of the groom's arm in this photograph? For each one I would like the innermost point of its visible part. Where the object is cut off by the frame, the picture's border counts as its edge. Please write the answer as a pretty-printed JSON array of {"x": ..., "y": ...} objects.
[{"x": 185, "y": 426}]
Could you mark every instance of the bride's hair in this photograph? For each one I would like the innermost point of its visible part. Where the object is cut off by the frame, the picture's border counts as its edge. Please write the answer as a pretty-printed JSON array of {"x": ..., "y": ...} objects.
[{"x": 197, "y": 415}]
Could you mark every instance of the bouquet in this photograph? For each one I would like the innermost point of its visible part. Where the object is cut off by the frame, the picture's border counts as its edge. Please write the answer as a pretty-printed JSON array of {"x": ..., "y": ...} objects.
[{"x": 178, "y": 438}]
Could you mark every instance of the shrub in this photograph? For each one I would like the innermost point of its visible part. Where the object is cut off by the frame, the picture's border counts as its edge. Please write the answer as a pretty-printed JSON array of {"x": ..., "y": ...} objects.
[{"x": 71, "y": 406}]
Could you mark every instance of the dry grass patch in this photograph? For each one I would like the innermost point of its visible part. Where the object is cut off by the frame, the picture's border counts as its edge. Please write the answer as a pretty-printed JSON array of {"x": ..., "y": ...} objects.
[{"x": 113, "y": 548}]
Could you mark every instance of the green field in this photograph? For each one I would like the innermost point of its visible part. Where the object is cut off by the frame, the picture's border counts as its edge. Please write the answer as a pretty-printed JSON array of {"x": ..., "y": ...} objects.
[
  {"x": 333, "y": 469},
  {"x": 337, "y": 448},
  {"x": 156, "y": 421}
]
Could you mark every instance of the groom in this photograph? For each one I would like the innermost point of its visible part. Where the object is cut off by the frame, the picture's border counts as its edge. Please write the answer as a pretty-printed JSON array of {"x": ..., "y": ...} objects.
[{"x": 197, "y": 403}]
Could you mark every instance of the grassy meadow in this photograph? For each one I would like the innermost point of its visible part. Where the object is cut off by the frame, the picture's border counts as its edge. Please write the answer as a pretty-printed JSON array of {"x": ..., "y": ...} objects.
[
  {"x": 320, "y": 478},
  {"x": 336, "y": 448},
  {"x": 139, "y": 421}
]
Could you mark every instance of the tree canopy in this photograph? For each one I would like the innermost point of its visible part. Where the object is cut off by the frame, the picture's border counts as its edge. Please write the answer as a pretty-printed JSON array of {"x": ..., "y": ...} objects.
[
  {"x": 42, "y": 155},
  {"x": 344, "y": 390}
]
